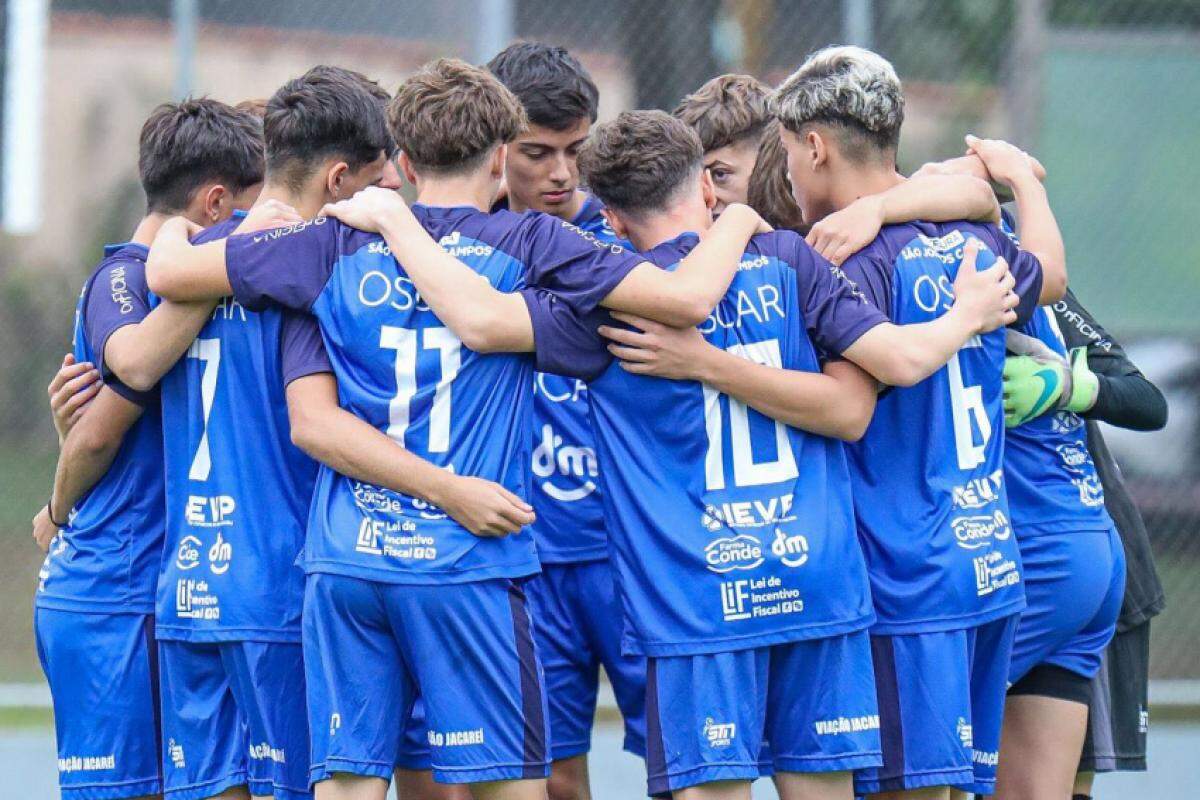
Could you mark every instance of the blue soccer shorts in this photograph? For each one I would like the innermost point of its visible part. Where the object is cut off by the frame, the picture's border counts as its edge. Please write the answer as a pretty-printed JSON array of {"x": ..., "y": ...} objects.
[
  {"x": 103, "y": 676},
  {"x": 469, "y": 648},
  {"x": 578, "y": 628},
  {"x": 233, "y": 714},
  {"x": 941, "y": 704},
  {"x": 710, "y": 717},
  {"x": 1074, "y": 586}
]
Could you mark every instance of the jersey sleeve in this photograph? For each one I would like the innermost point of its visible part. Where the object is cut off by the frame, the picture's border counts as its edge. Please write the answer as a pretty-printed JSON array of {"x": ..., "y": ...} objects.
[
  {"x": 565, "y": 341},
  {"x": 573, "y": 263},
  {"x": 836, "y": 312},
  {"x": 870, "y": 275},
  {"x": 1025, "y": 269},
  {"x": 118, "y": 297},
  {"x": 302, "y": 350},
  {"x": 283, "y": 266}
]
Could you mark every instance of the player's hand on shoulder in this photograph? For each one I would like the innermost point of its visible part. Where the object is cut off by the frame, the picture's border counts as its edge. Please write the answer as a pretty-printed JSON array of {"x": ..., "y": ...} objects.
[
  {"x": 369, "y": 210},
  {"x": 70, "y": 390},
  {"x": 656, "y": 349},
  {"x": 44, "y": 530},
  {"x": 483, "y": 507},
  {"x": 1006, "y": 163},
  {"x": 843, "y": 233},
  {"x": 986, "y": 297},
  {"x": 269, "y": 214}
]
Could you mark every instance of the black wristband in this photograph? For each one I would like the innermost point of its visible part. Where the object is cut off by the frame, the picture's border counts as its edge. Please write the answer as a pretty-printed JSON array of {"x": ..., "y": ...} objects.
[{"x": 50, "y": 514}]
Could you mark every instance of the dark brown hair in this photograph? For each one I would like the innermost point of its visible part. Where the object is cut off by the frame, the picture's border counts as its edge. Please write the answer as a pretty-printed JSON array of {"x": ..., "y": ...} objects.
[
  {"x": 637, "y": 162},
  {"x": 727, "y": 109}
]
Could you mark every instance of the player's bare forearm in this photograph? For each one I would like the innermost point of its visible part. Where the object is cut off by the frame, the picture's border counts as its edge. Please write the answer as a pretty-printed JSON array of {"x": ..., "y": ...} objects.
[
  {"x": 837, "y": 403},
  {"x": 905, "y": 355},
  {"x": 141, "y": 354},
  {"x": 1040, "y": 235},
  {"x": 484, "y": 318},
  {"x": 89, "y": 449},
  {"x": 181, "y": 271},
  {"x": 686, "y": 296},
  {"x": 940, "y": 198}
]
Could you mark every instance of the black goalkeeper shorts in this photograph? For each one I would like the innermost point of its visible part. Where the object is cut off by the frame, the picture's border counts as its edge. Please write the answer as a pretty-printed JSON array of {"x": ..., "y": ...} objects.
[{"x": 1119, "y": 716}]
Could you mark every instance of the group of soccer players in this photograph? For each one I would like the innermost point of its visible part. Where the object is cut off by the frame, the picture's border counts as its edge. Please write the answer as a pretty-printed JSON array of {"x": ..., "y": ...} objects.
[{"x": 352, "y": 491}]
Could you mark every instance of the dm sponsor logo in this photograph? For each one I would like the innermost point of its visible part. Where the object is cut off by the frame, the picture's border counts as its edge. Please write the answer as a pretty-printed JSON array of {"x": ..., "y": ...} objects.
[
  {"x": 979, "y": 531},
  {"x": 219, "y": 555},
  {"x": 791, "y": 550},
  {"x": 733, "y": 552},
  {"x": 570, "y": 464}
]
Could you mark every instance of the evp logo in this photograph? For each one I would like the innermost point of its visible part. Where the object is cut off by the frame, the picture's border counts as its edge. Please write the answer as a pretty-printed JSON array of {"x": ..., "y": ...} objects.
[{"x": 210, "y": 512}]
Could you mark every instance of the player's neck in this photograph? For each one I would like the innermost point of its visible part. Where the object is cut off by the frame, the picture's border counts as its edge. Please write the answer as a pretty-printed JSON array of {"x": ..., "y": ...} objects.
[
  {"x": 852, "y": 181},
  {"x": 663, "y": 226},
  {"x": 307, "y": 203},
  {"x": 148, "y": 227},
  {"x": 477, "y": 191}
]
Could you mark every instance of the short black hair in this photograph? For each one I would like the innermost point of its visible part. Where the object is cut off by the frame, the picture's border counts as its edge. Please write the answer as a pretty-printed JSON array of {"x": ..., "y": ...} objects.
[
  {"x": 638, "y": 162},
  {"x": 185, "y": 145},
  {"x": 550, "y": 82},
  {"x": 327, "y": 111}
]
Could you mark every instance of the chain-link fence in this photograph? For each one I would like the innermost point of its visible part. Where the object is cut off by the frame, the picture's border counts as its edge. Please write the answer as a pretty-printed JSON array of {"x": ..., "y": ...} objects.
[{"x": 1106, "y": 92}]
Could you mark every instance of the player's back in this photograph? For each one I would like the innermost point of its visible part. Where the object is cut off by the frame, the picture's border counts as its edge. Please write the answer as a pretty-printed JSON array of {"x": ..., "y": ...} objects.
[
  {"x": 1052, "y": 481},
  {"x": 730, "y": 529},
  {"x": 928, "y": 487},
  {"x": 107, "y": 556},
  {"x": 238, "y": 490}
]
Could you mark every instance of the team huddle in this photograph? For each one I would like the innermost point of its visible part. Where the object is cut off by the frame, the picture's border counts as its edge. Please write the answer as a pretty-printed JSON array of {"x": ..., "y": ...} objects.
[{"x": 359, "y": 491}]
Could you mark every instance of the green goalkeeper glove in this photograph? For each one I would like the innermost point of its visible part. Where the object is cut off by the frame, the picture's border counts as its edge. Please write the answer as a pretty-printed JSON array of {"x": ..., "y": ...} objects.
[{"x": 1037, "y": 384}]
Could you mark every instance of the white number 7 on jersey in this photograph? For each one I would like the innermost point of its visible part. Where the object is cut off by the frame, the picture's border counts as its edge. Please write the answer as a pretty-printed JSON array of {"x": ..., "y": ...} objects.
[{"x": 208, "y": 351}]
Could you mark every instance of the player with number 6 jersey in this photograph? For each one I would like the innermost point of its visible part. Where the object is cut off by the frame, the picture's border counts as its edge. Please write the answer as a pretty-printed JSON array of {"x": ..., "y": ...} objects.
[{"x": 932, "y": 511}]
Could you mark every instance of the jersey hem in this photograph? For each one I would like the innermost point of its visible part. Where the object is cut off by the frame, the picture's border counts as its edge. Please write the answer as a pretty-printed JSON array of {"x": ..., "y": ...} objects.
[
  {"x": 1061, "y": 527},
  {"x": 942, "y": 624},
  {"x": 522, "y": 570},
  {"x": 750, "y": 642},
  {"x": 175, "y": 633},
  {"x": 559, "y": 559},
  {"x": 52, "y": 603}
]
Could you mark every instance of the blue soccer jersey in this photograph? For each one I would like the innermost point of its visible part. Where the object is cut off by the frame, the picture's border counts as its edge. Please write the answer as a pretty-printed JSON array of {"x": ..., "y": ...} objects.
[
  {"x": 928, "y": 475},
  {"x": 106, "y": 558},
  {"x": 238, "y": 490},
  {"x": 402, "y": 371},
  {"x": 1052, "y": 481},
  {"x": 731, "y": 530},
  {"x": 566, "y": 484}
]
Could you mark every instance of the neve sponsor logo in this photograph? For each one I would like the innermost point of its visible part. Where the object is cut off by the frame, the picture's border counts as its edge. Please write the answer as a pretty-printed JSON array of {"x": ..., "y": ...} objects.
[
  {"x": 719, "y": 734},
  {"x": 455, "y": 738},
  {"x": 176, "y": 752},
  {"x": 832, "y": 727},
  {"x": 371, "y": 499},
  {"x": 993, "y": 572},
  {"x": 791, "y": 550},
  {"x": 733, "y": 552},
  {"x": 118, "y": 287},
  {"x": 87, "y": 763},
  {"x": 209, "y": 512},
  {"x": 188, "y": 555},
  {"x": 978, "y": 492},
  {"x": 194, "y": 600},
  {"x": 219, "y": 555},
  {"x": 395, "y": 540},
  {"x": 748, "y": 513},
  {"x": 261, "y": 752},
  {"x": 575, "y": 464},
  {"x": 965, "y": 733},
  {"x": 760, "y": 305},
  {"x": 758, "y": 597},
  {"x": 980, "y": 530},
  {"x": 1074, "y": 456}
]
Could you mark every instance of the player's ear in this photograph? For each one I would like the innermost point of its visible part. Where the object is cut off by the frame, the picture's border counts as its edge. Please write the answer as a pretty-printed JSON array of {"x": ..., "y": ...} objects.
[
  {"x": 406, "y": 168},
  {"x": 216, "y": 197},
  {"x": 498, "y": 158},
  {"x": 708, "y": 189},
  {"x": 615, "y": 222},
  {"x": 818, "y": 149},
  {"x": 334, "y": 179}
]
